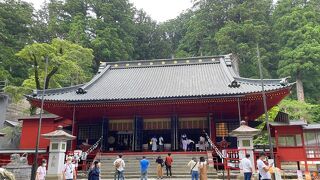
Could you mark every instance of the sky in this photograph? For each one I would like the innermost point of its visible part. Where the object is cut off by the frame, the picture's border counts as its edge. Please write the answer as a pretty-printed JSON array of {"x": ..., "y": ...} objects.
[{"x": 159, "y": 10}]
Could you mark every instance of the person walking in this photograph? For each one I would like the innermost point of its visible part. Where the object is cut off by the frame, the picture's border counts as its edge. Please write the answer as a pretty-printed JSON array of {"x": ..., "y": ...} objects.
[
  {"x": 94, "y": 173},
  {"x": 69, "y": 170},
  {"x": 194, "y": 169},
  {"x": 203, "y": 169},
  {"x": 119, "y": 165},
  {"x": 263, "y": 168},
  {"x": 168, "y": 162},
  {"x": 42, "y": 171},
  {"x": 160, "y": 165},
  {"x": 246, "y": 166},
  {"x": 144, "y": 165}
]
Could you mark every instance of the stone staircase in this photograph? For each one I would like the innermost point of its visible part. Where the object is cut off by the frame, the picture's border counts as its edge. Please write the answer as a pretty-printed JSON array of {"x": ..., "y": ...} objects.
[{"x": 132, "y": 161}]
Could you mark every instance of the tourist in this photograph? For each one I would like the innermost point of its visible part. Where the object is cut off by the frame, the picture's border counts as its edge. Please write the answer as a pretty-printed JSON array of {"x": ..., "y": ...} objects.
[
  {"x": 119, "y": 165},
  {"x": 263, "y": 168},
  {"x": 69, "y": 170},
  {"x": 168, "y": 162},
  {"x": 190, "y": 143},
  {"x": 203, "y": 169},
  {"x": 202, "y": 143},
  {"x": 154, "y": 144},
  {"x": 161, "y": 145},
  {"x": 183, "y": 138},
  {"x": 184, "y": 142},
  {"x": 94, "y": 173},
  {"x": 246, "y": 166},
  {"x": 160, "y": 165},
  {"x": 194, "y": 169},
  {"x": 144, "y": 165},
  {"x": 42, "y": 171}
]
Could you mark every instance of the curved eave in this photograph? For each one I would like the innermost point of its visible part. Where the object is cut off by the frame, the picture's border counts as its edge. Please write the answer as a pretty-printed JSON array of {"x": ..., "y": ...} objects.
[{"x": 169, "y": 98}]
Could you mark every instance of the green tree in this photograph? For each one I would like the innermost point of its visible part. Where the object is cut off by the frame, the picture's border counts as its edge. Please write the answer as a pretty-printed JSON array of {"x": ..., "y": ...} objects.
[
  {"x": 248, "y": 26},
  {"x": 297, "y": 24},
  {"x": 68, "y": 63},
  {"x": 15, "y": 23}
]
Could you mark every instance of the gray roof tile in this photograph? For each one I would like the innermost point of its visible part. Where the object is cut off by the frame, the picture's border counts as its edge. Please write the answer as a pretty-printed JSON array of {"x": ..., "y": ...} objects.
[{"x": 205, "y": 77}]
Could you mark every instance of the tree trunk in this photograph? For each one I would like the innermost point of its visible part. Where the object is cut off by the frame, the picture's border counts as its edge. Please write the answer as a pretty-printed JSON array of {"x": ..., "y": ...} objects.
[
  {"x": 300, "y": 91},
  {"x": 36, "y": 72},
  {"x": 52, "y": 72}
]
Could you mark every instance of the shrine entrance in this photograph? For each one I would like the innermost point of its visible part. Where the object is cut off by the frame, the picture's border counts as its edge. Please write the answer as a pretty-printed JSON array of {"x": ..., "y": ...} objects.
[{"x": 193, "y": 127}]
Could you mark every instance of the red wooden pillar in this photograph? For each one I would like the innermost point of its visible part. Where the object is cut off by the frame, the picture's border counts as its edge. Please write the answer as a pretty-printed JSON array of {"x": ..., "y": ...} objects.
[
  {"x": 278, "y": 160},
  {"x": 74, "y": 133},
  {"x": 304, "y": 147},
  {"x": 212, "y": 129}
]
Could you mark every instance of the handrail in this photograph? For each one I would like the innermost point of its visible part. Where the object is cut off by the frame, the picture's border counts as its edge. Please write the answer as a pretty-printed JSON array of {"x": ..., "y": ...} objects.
[
  {"x": 92, "y": 148},
  {"x": 213, "y": 146}
]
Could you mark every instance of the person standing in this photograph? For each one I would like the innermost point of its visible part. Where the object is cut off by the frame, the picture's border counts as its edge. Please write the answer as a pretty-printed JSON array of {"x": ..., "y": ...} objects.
[
  {"x": 194, "y": 169},
  {"x": 190, "y": 144},
  {"x": 263, "y": 168},
  {"x": 94, "y": 173},
  {"x": 184, "y": 142},
  {"x": 203, "y": 169},
  {"x": 168, "y": 162},
  {"x": 154, "y": 144},
  {"x": 42, "y": 171},
  {"x": 246, "y": 166},
  {"x": 144, "y": 165},
  {"x": 202, "y": 143},
  {"x": 69, "y": 170},
  {"x": 160, "y": 165},
  {"x": 161, "y": 145},
  {"x": 119, "y": 165}
]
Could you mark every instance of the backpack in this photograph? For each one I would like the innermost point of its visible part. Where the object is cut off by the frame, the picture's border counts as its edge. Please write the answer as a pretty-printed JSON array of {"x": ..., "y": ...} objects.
[{"x": 117, "y": 164}]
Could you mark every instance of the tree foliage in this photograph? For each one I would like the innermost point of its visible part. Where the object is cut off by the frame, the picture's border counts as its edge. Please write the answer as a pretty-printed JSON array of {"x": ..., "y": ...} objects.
[{"x": 68, "y": 63}]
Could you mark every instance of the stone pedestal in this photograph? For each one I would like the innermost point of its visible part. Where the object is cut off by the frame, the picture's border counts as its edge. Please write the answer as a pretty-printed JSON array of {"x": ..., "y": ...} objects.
[
  {"x": 58, "y": 146},
  {"x": 19, "y": 167}
]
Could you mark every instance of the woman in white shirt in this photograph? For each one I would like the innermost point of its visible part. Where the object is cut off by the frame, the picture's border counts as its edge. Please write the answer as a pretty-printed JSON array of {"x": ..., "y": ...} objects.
[
  {"x": 42, "y": 171},
  {"x": 194, "y": 169}
]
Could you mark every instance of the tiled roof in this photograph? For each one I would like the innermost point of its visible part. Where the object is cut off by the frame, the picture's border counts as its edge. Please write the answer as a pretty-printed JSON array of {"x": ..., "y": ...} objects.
[
  {"x": 163, "y": 79},
  {"x": 290, "y": 123},
  {"x": 59, "y": 133},
  {"x": 311, "y": 126}
]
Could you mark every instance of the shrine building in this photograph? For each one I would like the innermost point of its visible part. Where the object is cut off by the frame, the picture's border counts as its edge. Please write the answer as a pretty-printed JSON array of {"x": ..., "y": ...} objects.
[{"x": 129, "y": 102}]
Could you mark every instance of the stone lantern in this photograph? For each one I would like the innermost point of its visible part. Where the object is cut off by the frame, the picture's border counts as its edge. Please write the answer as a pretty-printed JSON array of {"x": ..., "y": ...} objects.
[
  {"x": 58, "y": 146},
  {"x": 244, "y": 136}
]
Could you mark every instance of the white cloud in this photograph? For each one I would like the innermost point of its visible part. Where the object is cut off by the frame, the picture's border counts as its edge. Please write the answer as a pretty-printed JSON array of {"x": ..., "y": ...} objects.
[
  {"x": 159, "y": 10},
  {"x": 162, "y": 10}
]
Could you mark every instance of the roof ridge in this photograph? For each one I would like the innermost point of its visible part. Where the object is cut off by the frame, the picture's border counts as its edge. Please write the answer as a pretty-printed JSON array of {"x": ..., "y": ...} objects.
[
  {"x": 226, "y": 70},
  {"x": 59, "y": 90},
  {"x": 96, "y": 78},
  {"x": 168, "y": 59},
  {"x": 162, "y": 62},
  {"x": 167, "y": 65}
]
